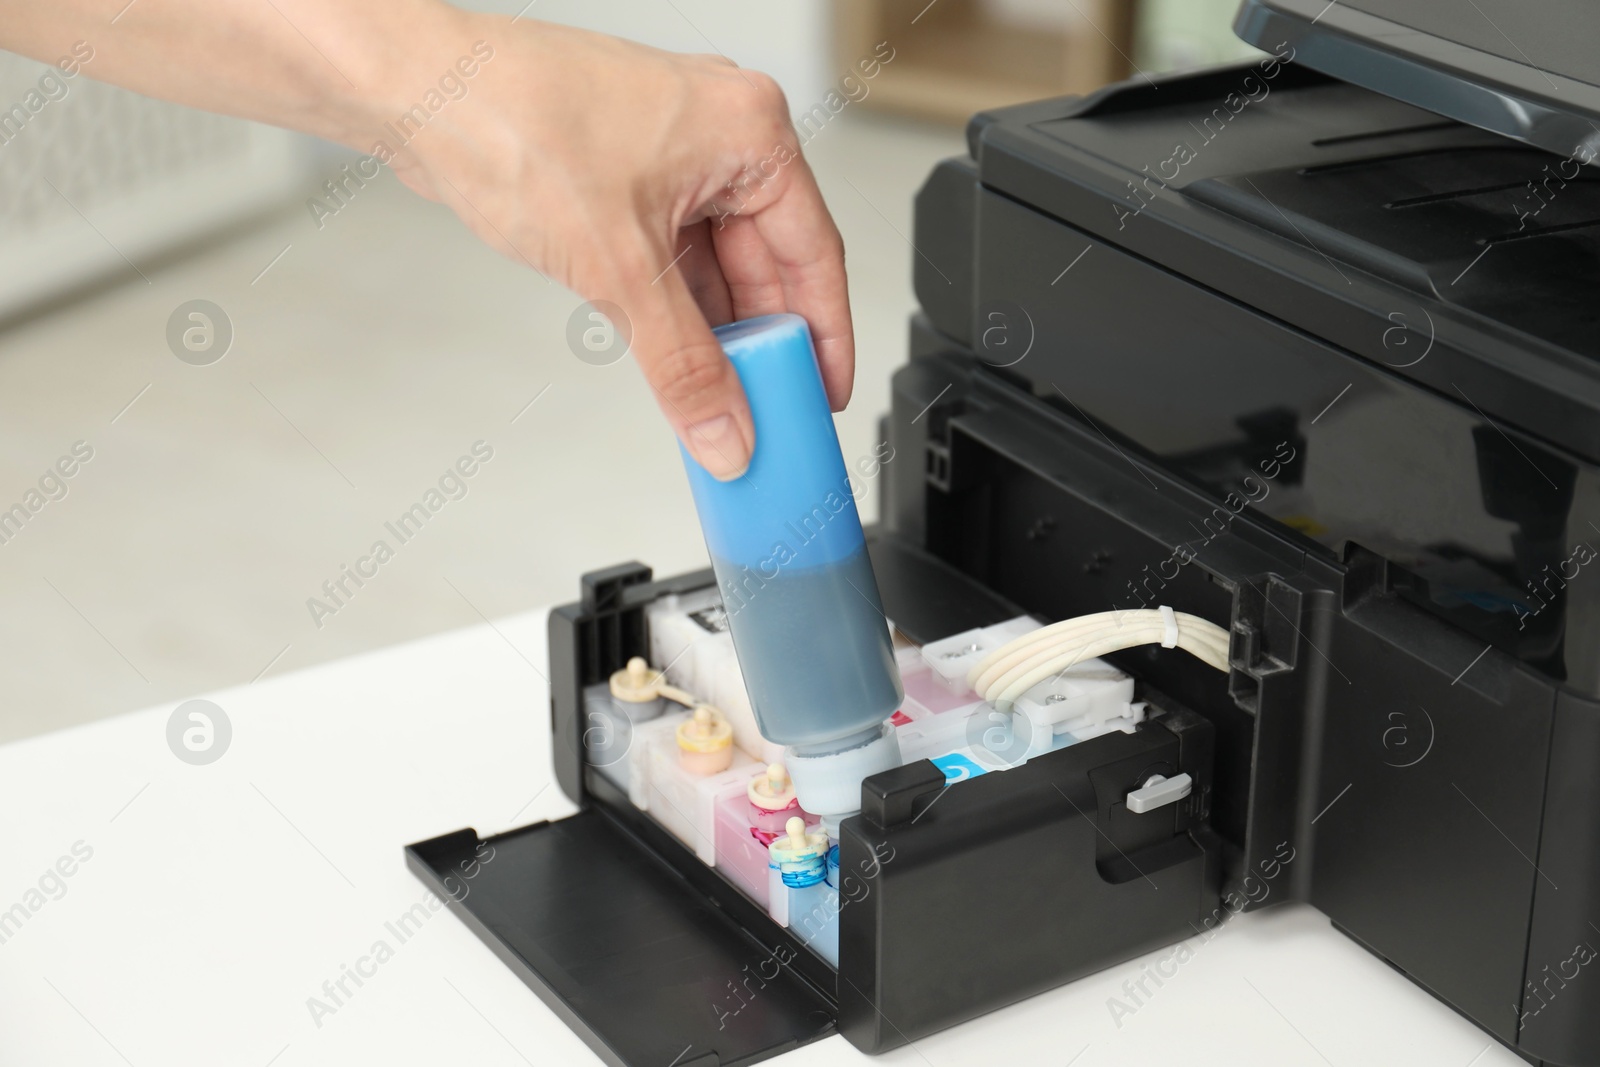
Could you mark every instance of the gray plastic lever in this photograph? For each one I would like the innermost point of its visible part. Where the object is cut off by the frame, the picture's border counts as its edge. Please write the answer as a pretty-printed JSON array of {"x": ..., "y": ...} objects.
[{"x": 1159, "y": 791}]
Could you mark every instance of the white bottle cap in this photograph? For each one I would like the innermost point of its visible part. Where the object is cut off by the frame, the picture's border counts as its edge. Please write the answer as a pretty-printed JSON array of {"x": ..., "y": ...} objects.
[{"x": 829, "y": 785}]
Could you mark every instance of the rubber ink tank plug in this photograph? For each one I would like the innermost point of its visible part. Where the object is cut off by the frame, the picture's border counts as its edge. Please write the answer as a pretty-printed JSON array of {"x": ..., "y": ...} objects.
[
  {"x": 705, "y": 742},
  {"x": 636, "y": 690},
  {"x": 772, "y": 803},
  {"x": 801, "y": 858}
]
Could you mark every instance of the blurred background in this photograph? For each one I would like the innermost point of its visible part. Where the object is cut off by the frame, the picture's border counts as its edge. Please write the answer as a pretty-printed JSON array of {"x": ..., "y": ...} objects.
[{"x": 224, "y": 468}]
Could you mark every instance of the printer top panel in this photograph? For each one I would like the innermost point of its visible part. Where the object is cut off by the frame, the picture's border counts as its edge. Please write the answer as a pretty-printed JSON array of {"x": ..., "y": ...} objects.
[
  {"x": 1464, "y": 223},
  {"x": 1494, "y": 227},
  {"x": 1247, "y": 122},
  {"x": 1327, "y": 206}
]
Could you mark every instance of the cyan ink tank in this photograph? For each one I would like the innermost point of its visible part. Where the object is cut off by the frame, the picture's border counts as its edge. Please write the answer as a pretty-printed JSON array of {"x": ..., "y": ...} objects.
[
  {"x": 798, "y": 876},
  {"x": 797, "y": 586}
]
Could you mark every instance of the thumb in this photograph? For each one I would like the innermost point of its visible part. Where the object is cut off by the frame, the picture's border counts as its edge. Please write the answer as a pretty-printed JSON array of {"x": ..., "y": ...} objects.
[{"x": 696, "y": 386}]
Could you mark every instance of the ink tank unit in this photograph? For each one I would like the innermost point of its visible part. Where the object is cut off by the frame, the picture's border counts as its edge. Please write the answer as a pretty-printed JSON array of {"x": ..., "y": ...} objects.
[{"x": 1239, "y": 539}]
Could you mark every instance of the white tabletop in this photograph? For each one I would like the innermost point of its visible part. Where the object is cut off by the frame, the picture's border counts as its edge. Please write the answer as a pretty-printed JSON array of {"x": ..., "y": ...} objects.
[{"x": 216, "y": 900}]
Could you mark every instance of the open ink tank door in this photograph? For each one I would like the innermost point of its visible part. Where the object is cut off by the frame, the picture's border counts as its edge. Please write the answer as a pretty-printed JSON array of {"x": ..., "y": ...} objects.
[{"x": 790, "y": 558}]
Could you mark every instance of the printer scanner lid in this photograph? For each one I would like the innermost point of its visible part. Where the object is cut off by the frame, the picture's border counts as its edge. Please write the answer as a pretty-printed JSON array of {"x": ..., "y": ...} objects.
[{"x": 1526, "y": 71}]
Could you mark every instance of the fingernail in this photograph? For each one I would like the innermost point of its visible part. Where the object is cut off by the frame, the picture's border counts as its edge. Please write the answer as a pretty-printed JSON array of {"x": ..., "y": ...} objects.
[{"x": 718, "y": 445}]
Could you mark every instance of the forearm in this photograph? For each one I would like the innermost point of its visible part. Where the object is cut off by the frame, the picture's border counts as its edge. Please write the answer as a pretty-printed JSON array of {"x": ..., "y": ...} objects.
[
  {"x": 598, "y": 162},
  {"x": 333, "y": 68}
]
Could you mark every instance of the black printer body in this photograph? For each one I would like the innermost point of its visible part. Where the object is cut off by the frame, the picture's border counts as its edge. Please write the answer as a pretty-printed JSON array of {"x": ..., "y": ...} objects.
[
  {"x": 1368, "y": 335},
  {"x": 1266, "y": 347}
]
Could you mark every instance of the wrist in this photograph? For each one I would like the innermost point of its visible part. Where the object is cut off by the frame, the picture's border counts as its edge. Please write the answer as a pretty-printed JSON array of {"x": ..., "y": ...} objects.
[{"x": 404, "y": 69}]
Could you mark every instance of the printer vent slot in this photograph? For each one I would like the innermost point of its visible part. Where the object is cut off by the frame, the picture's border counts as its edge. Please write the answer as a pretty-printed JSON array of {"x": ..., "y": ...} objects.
[
  {"x": 1460, "y": 161},
  {"x": 1373, "y": 135},
  {"x": 1544, "y": 231},
  {"x": 1453, "y": 194}
]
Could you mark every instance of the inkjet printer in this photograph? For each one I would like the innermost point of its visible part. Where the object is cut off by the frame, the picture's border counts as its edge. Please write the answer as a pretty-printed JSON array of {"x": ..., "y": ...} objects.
[{"x": 1302, "y": 353}]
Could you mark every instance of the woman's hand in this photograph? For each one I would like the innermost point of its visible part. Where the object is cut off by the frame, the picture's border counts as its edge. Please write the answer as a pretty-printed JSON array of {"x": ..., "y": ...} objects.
[{"x": 670, "y": 185}]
